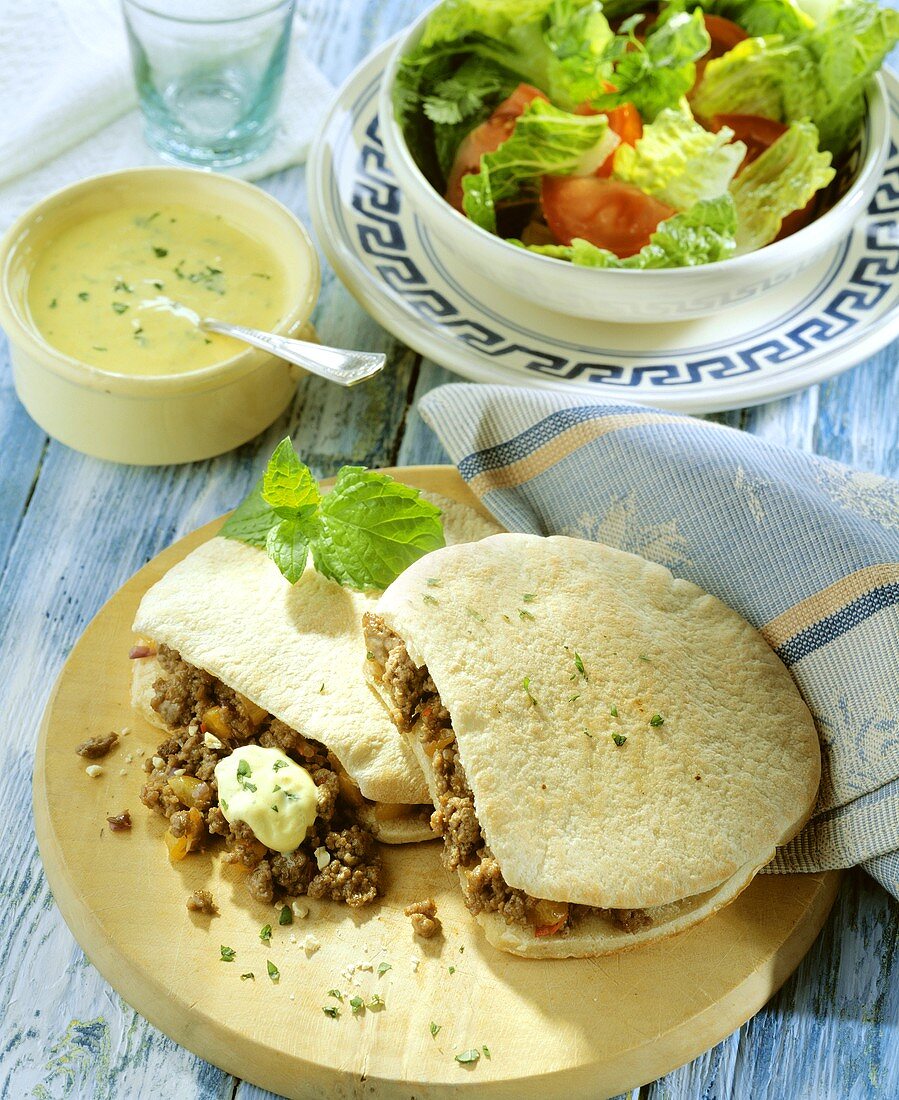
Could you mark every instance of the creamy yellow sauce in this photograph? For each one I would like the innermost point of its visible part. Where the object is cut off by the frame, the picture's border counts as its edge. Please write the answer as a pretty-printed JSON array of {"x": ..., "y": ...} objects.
[
  {"x": 110, "y": 290},
  {"x": 271, "y": 793}
]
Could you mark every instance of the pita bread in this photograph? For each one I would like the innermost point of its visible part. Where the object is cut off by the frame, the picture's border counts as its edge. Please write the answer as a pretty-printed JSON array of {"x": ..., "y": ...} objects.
[
  {"x": 291, "y": 649},
  {"x": 728, "y": 770}
]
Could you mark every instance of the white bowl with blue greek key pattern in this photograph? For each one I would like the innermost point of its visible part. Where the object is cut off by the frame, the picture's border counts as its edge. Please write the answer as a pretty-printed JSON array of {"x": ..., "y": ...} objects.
[
  {"x": 645, "y": 296},
  {"x": 837, "y": 312}
]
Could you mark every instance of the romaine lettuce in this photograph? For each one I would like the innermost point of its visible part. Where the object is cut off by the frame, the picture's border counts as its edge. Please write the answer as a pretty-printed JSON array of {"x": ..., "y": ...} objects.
[
  {"x": 678, "y": 161},
  {"x": 819, "y": 74},
  {"x": 756, "y": 17},
  {"x": 783, "y": 179},
  {"x": 703, "y": 234},
  {"x": 545, "y": 141}
]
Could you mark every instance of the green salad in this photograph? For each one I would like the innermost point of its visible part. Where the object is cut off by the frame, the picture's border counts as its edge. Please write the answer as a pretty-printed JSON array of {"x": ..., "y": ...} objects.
[{"x": 633, "y": 135}]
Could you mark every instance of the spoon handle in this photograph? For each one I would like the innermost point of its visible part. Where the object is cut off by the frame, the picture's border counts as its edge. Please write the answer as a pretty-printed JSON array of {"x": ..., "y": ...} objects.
[{"x": 346, "y": 368}]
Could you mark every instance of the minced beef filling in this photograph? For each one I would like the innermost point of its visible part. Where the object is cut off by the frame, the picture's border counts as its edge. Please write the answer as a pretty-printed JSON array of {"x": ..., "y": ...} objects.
[
  {"x": 414, "y": 696},
  {"x": 192, "y": 701}
]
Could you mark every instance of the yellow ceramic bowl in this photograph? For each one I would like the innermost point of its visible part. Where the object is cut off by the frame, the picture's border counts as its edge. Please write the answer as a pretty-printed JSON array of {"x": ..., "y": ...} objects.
[{"x": 164, "y": 418}]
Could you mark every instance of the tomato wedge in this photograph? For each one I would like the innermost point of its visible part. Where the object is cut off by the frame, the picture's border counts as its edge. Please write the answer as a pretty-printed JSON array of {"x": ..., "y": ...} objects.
[
  {"x": 487, "y": 138},
  {"x": 725, "y": 34},
  {"x": 625, "y": 121},
  {"x": 606, "y": 213},
  {"x": 756, "y": 132}
]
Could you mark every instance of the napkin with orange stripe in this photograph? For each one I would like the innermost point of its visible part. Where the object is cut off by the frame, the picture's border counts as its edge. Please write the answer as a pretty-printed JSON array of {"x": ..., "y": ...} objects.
[{"x": 804, "y": 548}]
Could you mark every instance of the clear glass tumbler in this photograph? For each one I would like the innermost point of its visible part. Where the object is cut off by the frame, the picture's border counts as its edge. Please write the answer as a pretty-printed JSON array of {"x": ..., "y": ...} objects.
[{"x": 209, "y": 75}]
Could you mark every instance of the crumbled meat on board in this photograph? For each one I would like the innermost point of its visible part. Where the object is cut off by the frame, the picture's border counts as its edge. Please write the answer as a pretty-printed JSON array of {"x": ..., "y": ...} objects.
[
  {"x": 425, "y": 922},
  {"x": 120, "y": 823},
  {"x": 191, "y": 699},
  {"x": 414, "y": 696},
  {"x": 201, "y": 901},
  {"x": 96, "y": 747}
]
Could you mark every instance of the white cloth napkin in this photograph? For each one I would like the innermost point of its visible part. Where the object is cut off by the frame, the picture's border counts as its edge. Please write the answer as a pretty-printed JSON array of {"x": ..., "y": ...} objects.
[{"x": 68, "y": 105}]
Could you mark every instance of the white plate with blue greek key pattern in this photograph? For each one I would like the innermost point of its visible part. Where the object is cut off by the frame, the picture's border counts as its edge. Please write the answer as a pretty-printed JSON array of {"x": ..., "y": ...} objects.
[{"x": 825, "y": 321}]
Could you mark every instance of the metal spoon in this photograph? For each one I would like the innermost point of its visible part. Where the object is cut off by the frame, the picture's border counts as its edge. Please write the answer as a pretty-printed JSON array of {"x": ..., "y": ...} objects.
[{"x": 346, "y": 368}]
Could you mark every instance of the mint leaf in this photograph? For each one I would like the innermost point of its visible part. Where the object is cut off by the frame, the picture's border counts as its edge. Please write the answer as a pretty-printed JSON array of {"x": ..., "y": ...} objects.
[
  {"x": 372, "y": 528},
  {"x": 286, "y": 545},
  {"x": 287, "y": 485},
  {"x": 252, "y": 520}
]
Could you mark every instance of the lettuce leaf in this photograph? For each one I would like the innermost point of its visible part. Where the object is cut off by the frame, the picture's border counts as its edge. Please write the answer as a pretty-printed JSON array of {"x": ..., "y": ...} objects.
[
  {"x": 783, "y": 179},
  {"x": 819, "y": 74},
  {"x": 678, "y": 161},
  {"x": 545, "y": 141},
  {"x": 756, "y": 17},
  {"x": 703, "y": 234}
]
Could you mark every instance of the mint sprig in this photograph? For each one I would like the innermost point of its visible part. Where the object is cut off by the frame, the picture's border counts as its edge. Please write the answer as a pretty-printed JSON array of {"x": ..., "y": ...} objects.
[{"x": 362, "y": 534}]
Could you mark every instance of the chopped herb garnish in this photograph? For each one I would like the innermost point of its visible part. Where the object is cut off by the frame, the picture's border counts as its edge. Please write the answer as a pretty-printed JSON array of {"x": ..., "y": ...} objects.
[
  {"x": 451, "y": 969},
  {"x": 357, "y": 1004},
  {"x": 522, "y": 614},
  {"x": 276, "y": 767},
  {"x": 529, "y": 597},
  {"x": 587, "y": 733},
  {"x": 331, "y": 1010},
  {"x": 286, "y": 915},
  {"x": 613, "y": 710},
  {"x": 273, "y": 972},
  {"x": 83, "y": 295},
  {"x": 526, "y": 684},
  {"x": 383, "y": 968},
  {"x": 486, "y": 1051},
  {"x": 223, "y": 804},
  {"x": 433, "y": 582},
  {"x": 321, "y": 689},
  {"x": 573, "y": 698},
  {"x": 657, "y": 720},
  {"x": 98, "y": 347},
  {"x": 261, "y": 275},
  {"x": 335, "y": 993},
  {"x": 619, "y": 739},
  {"x": 158, "y": 283},
  {"x": 121, "y": 287},
  {"x": 376, "y": 1002},
  {"x": 579, "y": 665},
  {"x": 434, "y": 1028},
  {"x": 243, "y": 770},
  {"x": 227, "y": 954},
  {"x": 476, "y": 615},
  {"x": 265, "y": 933},
  {"x": 160, "y": 252},
  {"x": 369, "y": 656},
  {"x": 53, "y": 303},
  {"x": 428, "y": 598},
  {"x": 643, "y": 657},
  {"x": 275, "y": 808},
  {"x": 467, "y": 1057},
  {"x": 248, "y": 977},
  {"x": 120, "y": 307}
]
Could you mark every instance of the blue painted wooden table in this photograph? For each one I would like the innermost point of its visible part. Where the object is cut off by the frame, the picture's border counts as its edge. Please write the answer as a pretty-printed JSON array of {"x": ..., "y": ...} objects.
[{"x": 72, "y": 529}]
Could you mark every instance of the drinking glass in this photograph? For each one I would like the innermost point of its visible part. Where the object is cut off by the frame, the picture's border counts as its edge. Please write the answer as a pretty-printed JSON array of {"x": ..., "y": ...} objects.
[{"x": 209, "y": 75}]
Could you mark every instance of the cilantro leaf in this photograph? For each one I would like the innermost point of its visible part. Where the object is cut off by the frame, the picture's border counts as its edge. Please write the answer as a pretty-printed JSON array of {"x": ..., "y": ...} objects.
[{"x": 372, "y": 528}]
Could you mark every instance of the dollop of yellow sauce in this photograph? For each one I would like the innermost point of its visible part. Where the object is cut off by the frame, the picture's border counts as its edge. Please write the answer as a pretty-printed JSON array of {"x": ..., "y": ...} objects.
[
  {"x": 112, "y": 289},
  {"x": 271, "y": 793}
]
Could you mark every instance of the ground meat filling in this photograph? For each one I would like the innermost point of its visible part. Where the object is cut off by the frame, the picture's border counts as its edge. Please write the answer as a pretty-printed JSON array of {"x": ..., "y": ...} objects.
[
  {"x": 413, "y": 695},
  {"x": 210, "y": 721}
]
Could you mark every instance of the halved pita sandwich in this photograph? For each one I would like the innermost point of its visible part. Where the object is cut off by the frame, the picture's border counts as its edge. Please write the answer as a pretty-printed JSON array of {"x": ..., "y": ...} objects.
[
  {"x": 230, "y": 644},
  {"x": 612, "y": 753}
]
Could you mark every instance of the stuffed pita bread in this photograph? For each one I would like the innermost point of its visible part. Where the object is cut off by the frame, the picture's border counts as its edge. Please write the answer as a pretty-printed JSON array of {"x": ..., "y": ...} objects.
[
  {"x": 612, "y": 753},
  {"x": 227, "y": 643}
]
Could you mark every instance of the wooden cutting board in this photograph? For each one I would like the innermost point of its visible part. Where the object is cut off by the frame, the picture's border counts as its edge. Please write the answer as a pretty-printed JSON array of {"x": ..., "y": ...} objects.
[{"x": 569, "y": 1028}]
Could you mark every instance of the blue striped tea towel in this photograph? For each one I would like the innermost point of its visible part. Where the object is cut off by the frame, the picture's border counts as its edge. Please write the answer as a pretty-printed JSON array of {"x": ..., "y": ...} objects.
[{"x": 806, "y": 549}]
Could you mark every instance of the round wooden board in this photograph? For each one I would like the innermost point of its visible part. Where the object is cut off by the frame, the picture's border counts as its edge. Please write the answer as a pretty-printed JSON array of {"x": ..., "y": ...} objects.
[{"x": 554, "y": 1029}]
